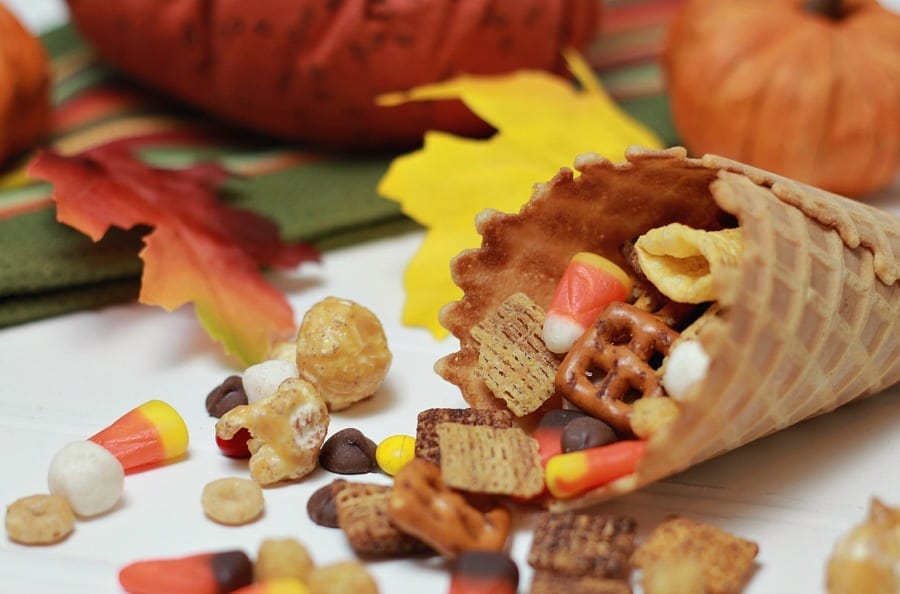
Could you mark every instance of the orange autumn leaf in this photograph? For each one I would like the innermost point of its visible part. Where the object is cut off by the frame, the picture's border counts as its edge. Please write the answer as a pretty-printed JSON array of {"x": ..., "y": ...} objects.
[{"x": 199, "y": 250}]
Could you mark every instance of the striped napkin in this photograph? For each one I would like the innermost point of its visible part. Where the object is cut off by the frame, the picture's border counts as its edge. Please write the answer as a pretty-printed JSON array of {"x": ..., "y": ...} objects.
[{"x": 49, "y": 269}]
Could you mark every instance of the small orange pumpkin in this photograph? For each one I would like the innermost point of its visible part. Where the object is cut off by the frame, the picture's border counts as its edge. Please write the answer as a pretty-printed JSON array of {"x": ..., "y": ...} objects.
[
  {"x": 311, "y": 69},
  {"x": 809, "y": 89},
  {"x": 24, "y": 87}
]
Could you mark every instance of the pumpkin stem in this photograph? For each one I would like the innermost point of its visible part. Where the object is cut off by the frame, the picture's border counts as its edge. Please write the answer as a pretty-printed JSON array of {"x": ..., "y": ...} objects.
[{"x": 832, "y": 9}]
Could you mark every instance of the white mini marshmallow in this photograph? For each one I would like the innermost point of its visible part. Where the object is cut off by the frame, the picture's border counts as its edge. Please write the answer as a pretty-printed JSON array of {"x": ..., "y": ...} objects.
[
  {"x": 88, "y": 476},
  {"x": 262, "y": 380},
  {"x": 686, "y": 365}
]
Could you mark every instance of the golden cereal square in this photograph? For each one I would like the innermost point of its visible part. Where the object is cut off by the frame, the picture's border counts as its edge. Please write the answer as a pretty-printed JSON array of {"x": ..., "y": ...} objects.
[
  {"x": 513, "y": 360},
  {"x": 726, "y": 560},
  {"x": 362, "y": 511},
  {"x": 482, "y": 459},
  {"x": 583, "y": 544},
  {"x": 427, "y": 446},
  {"x": 548, "y": 582}
]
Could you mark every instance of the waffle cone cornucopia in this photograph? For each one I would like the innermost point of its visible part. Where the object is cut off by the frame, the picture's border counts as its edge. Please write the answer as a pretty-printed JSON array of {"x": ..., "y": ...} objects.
[{"x": 807, "y": 320}]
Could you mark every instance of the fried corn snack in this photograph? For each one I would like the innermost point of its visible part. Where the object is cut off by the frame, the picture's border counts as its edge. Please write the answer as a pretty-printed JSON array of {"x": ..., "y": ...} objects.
[
  {"x": 287, "y": 428},
  {"x": 683, "y": 262}
]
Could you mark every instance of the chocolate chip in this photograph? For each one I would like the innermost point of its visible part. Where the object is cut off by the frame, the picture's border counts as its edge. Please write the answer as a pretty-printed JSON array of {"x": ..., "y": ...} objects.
[
  {"x": 320, "y": 507},
  {"x": 560, "y": 417},
  {"x": 348, "y": 452},
  {"x": 586, "y": 432},
  {"x": 232, "y": 570},
  {"x": 226, "y": 396}
]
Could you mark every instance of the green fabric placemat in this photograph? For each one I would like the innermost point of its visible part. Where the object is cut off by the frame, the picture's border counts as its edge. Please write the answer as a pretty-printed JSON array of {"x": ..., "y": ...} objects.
[{"x": 48, "y": 269}]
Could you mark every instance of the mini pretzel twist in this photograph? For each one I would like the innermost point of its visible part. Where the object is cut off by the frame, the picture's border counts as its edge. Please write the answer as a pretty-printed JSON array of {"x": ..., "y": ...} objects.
[
  {"x": 612, "y": 364},
  {"x": 423, "y": 506}
]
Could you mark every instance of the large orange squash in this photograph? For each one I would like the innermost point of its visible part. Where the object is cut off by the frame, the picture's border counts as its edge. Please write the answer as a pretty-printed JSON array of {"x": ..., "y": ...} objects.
[
  {"x": 809, "y": 89},
  {"x": 311, "y": 69},
  {"x": 24, "y": 87}
]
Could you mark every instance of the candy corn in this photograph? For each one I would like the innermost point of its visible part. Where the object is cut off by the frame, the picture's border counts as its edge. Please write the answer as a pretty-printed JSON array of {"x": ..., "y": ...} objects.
[
  {"x": 148, "y": 435},
  {"x": 571, "y": 474},
  {"x": 275, "y": 586},
  {"x": 203, "y": 573},
  {"x": 484, "y": 572},
  {"x": 589, "y": 284}
]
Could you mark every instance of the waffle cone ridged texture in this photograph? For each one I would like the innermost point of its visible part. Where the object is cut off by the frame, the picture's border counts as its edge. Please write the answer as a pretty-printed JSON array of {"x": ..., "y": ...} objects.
[{"x": 809, "y": 319}]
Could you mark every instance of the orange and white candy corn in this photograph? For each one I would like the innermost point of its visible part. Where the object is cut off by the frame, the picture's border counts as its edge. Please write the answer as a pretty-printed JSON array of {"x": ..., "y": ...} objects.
[
  {"x": 571, "y": 474},
  {"x": 147, "y": 435},
  {"x": 589, "y": 284}
]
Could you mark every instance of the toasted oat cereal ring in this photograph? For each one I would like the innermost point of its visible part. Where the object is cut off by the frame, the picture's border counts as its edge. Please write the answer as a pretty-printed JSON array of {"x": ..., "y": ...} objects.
[
  {"x": 232, "y": 501},
  {"x": 340, "y": 578},
  {"x": 282, "y": 558},
  {"x": 39, "y": 519}
]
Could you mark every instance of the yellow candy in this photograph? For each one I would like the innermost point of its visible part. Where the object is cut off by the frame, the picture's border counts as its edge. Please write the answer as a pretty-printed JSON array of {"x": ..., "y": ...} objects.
[
  {"x": 283, "y": 585},
  {"x": 394, "y": 452}
]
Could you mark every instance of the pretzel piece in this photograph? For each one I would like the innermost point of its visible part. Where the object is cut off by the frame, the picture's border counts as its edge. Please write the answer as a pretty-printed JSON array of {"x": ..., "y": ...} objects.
[
  {"x": 615, "y": 363},
  {"x": 423, "y": 506}
]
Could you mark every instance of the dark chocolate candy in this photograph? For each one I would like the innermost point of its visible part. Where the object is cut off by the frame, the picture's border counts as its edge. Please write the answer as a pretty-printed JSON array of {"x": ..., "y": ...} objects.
[
  {"x": 226, "y": 396},
  {"x": 320, "y": 507},
  {"x": 586, "y": 432},
  {"x": 348, "y": 452},
  {"x": 560, "y": 417}
]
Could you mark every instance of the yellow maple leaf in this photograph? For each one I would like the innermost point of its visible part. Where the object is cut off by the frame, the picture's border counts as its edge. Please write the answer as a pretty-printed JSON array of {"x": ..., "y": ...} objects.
[{"x": 543, "y": 122}]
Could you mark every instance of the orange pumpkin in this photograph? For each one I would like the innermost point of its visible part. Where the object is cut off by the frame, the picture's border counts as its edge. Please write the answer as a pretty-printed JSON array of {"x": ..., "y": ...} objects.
[
  {"x": 809, "y": 89},
  {"x": 24, "y": 87},
  {"x": 311, "y": 69}
]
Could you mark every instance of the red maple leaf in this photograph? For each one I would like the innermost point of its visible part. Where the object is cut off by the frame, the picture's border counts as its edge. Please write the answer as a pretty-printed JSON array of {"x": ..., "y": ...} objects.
[{"x": 199, "y": 250}]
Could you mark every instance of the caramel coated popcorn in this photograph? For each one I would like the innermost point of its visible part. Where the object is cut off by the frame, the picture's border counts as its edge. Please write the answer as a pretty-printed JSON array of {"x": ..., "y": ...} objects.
[
  {"x": 287, "y": 428},
  {"x": 342, "y": 350}
]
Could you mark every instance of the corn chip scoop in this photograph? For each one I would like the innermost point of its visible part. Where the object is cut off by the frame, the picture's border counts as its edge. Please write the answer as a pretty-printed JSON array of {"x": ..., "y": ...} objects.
[{"x": 807, "y": 317}]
